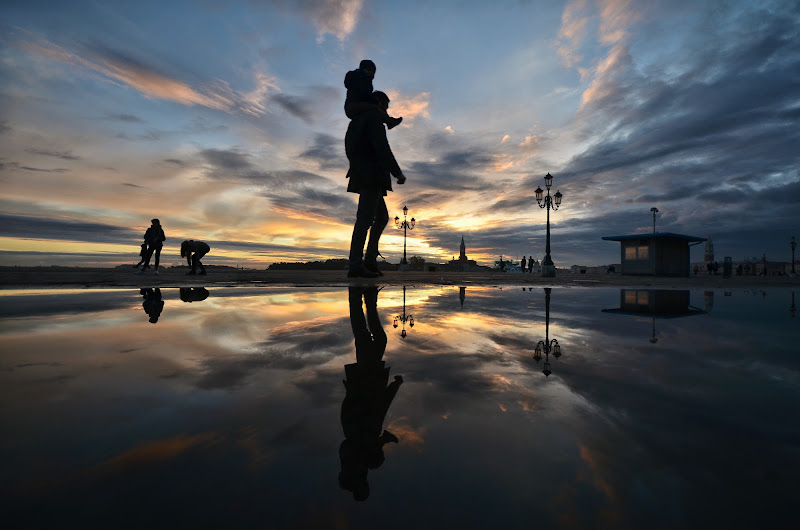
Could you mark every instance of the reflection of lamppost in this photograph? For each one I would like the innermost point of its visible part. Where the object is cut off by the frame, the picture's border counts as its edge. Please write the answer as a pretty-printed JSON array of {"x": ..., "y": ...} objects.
[
  {"x": 547, "y": 346},
  {"x": 548, "y": 268},
  {"x": 406, "y": 226},
  {"x": 793, "y": 308},
  {"x": 653, "y": 339},
  {"x": 655, "y": 211},
  {"x": 793, "y": 244},
  {"x": 404, "y": 318}
]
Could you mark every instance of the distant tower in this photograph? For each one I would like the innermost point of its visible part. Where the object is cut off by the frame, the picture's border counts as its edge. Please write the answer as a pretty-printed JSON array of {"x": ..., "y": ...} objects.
[{"x": 462, "y": 251}]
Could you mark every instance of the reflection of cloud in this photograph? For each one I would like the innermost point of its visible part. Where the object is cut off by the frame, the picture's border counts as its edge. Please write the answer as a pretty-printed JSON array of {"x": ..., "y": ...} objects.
[{"x": 150, "y": 453}]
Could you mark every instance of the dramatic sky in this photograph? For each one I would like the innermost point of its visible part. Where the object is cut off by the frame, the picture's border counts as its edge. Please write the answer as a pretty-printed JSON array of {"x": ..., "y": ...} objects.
[{"x": 224, "y": 119}]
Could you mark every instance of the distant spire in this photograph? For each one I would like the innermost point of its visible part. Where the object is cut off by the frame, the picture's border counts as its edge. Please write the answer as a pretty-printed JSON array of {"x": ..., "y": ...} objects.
[{"x": 463, "y": 250}]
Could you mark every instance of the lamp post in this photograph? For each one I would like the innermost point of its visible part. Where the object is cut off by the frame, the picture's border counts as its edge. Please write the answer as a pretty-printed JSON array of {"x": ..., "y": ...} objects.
[
  {"x": 406, "y": 226},
  {"x": 655, "y": 211},
  {"x": 545, "y": 201},
  {"x": 547, "y": 346},
  {"x": 793, "y": 244},
  {"x": 404, "y": 318}
]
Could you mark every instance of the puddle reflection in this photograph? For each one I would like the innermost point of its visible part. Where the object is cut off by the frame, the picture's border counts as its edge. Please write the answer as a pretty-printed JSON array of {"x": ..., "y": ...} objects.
[{"x": 236, "y": 397}]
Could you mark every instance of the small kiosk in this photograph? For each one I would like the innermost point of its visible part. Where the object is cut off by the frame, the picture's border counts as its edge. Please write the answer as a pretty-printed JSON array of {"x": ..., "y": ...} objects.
[{"x": 659, "y": 254}]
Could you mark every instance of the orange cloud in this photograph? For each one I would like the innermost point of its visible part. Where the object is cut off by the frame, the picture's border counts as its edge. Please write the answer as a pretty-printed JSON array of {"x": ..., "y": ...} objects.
[{"x": 409, "y": 107}]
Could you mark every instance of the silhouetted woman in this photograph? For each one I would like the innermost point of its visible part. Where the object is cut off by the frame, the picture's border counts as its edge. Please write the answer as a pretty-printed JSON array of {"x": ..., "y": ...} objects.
[
  {"x": 194, "y": 250},
  {"x": 154, "y": 238}
]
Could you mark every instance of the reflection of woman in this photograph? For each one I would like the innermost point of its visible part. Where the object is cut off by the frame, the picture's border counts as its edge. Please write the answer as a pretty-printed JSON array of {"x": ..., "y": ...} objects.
[
  {"x": 194, "y": 250},
  {"x": 367, "y": 399},
  {"x": 153, "y": 304}
]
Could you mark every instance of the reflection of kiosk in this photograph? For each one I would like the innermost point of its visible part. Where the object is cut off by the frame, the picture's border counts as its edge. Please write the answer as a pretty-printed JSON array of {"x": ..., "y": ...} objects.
[{"x": 657, "y": 303}]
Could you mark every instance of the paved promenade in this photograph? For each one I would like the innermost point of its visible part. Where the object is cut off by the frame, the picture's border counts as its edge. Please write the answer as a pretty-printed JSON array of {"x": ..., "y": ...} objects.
[{"x": 48, "y": 277}]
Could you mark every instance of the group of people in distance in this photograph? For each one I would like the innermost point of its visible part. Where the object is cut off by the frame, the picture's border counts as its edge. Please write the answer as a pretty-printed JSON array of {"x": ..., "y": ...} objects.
[{"x": 154, "y": 239}]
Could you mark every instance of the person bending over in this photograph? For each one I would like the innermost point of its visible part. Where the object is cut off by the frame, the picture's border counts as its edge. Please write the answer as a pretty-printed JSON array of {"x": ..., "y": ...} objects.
[{"x": 194, "y": 250}]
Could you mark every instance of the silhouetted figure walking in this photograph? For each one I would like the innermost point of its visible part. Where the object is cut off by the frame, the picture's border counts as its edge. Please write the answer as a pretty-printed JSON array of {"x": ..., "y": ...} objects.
[
  {"x": 522, "y": 264},
  {"x": 194, "y": 250},
  {"x": 193, "y": 294},
  {"x": 154, "y": 238},
  {"x": 152, "y": 304},
  {"x": 369, "y": 395},
  {"x": 359, "y": 97},
  {"x": 142, "y": 255},
  {"x": 371, "y": 163}
]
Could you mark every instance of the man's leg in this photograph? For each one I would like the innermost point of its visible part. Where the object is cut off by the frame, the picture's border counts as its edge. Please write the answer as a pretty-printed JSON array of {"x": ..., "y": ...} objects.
[
  {"x": 380, "y": 220},
  {"x": 365, "y": 216},
  {"x": 158, "y": 257}
]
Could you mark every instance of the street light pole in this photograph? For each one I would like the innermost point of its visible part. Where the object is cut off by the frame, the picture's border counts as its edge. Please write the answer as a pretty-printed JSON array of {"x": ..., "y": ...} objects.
[
  {"x": 655, "y": 211},
  {"x": 406, "y": 226},
  {"x": 547, "y": 202}
]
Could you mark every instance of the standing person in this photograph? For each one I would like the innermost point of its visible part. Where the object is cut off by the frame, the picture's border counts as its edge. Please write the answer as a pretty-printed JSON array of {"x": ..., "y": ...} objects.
[
  {"x": 359, "y": 97},
  {"x": 371, "y": 162},
  {"x": 522, "y": 264},
  {"x": 530, "y": 265},
  {"x": 154, "y": 238},
  {"x": 194, "y": 250}
]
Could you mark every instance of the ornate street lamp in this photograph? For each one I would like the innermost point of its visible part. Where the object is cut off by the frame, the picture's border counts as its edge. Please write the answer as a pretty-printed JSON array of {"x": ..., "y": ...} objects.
[
  {"x": 545, "y": 201},
  {"x": 655, "y": 211},
  {"x": 547, "y": 346},
  {"x": 406, "y": 226},
  {"x": 793, "y": 244},
  {"x": 404, "y": 318}
]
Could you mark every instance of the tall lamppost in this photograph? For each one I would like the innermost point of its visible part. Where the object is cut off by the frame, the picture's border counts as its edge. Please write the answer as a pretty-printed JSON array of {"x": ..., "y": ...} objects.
[
  {"x": 406, "y": 226},
  {"x": 547, "y": 346},
  {"x": 548, "y": 268},
  {"x": 404, "y": 318},
  {"x": 655, "y": 211},
  {"x": 793, "y": 244}
]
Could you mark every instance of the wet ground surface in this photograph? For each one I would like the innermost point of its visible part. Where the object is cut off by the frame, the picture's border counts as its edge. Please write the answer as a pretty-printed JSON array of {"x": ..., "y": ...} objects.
[{"x": 265, "y": 407}]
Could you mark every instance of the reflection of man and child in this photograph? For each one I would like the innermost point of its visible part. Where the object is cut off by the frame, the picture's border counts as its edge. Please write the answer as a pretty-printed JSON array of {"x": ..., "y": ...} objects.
[
  {"x": 154, "y": 239},
  {"x": 368, "y": 396}
]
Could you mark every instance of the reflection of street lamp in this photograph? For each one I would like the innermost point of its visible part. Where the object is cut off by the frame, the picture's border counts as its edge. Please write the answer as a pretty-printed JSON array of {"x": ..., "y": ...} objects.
[
  {"x": 547, "y": 346},
  {"x": 793, "y": 244},
  {"x": 655, "y": 211},
  {"x": 653, "y": 339},
  {"x": 548, "y": 268},
  {"x": 404, "y": 318},
  {"x": 406, "y": 226},
  {"x": 793, "y": 308}
]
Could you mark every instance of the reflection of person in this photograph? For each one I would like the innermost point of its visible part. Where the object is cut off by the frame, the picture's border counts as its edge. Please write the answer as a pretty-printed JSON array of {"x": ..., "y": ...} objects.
[
  {"x": 367, "y": 399},
  {"x": 153, "y": 304},
  {"x": 194, "y": 250},
  {"x": 371, "y": 163},
  {"x": 154, "y": 238},
  {"x": 359, "y": 94},
  {"x": 193, "y": 294}
]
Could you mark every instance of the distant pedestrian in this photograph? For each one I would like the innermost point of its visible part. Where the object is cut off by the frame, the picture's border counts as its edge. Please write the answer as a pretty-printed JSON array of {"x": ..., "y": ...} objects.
[
  {"x": 530, "y": 265},
  {"x": 523, "y": 264},
  {"x": 154, "y": 238},
  {"x": 194, "y": 250}
]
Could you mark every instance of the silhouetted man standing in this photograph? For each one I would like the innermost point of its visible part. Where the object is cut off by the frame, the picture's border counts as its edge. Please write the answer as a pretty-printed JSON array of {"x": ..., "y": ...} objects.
[{"x": 371, "y": 163}]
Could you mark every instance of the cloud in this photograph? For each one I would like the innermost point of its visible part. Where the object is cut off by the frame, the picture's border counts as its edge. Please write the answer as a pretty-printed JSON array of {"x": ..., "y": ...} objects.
[
  {"x": 64, "y": 155},
  {"x": 121, "y": 67},
  {"x": 409, "y": 107},
  {"x": 294, "y": 105},
  {"x": 327, "y": 151},
  {"x": 25, "y": 227}
]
